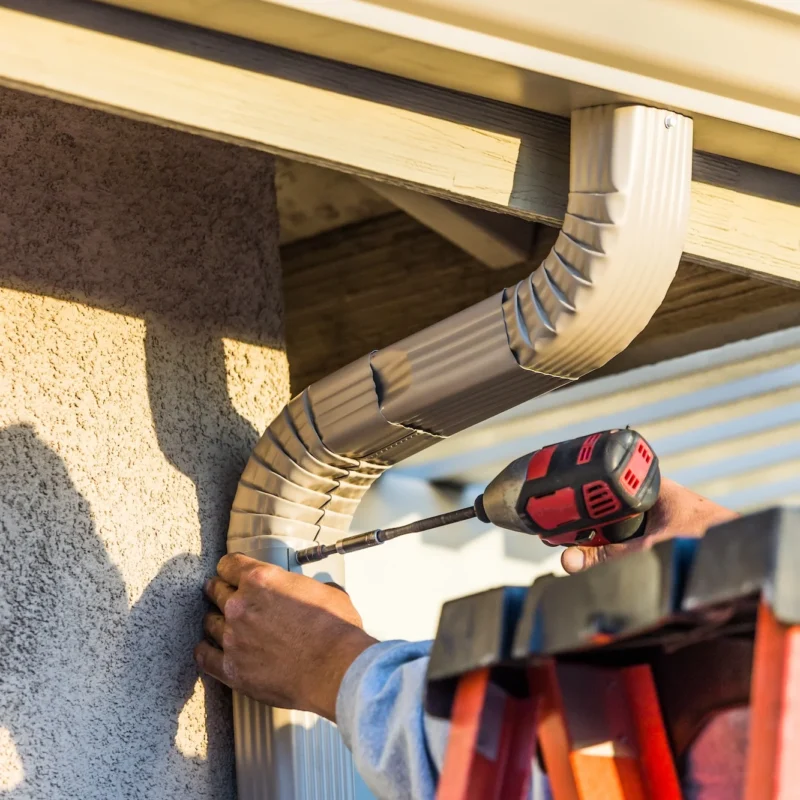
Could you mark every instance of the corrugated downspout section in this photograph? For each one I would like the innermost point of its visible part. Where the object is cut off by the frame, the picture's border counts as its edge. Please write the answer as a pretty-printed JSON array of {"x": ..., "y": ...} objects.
[{"x": 607, "y": 274}]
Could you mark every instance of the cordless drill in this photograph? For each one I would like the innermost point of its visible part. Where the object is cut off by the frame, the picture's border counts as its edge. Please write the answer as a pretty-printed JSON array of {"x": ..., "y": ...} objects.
[{"x": 590, "y": 491}]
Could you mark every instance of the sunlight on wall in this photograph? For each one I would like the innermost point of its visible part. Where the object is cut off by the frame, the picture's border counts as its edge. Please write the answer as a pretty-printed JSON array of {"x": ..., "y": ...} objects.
[
  {"x": 190, "y": 738},
  {"x": 99, "y": 423},
  {"x": 11, "y": 771},
  {"x": 258, "y": 380}
]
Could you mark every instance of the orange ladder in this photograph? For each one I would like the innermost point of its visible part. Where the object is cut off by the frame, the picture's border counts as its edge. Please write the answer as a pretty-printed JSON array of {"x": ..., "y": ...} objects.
[{"x": 608, "y": 675}]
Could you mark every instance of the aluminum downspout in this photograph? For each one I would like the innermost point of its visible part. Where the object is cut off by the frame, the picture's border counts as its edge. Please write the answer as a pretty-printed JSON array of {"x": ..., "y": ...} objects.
[{"x": 626, "y": 221}]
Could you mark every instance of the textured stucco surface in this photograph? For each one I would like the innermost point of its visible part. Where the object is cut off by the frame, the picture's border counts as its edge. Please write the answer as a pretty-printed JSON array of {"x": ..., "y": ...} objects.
[{"x": 141, "y": 352}]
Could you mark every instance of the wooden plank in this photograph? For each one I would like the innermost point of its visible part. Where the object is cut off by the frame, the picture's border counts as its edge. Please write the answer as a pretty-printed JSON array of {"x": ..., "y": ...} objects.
[
  {"x": 737, "y": 123},
  {"x": 261, "y": 96},
  {"x": 476, "y": 151},
  {"x": 745, "y": 215},
  {"x": 351, "y": 291},
  {"x": 364, "y": 287}
]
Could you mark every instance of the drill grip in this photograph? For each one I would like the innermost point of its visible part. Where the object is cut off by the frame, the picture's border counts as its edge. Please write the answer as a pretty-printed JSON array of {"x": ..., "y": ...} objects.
[{"x": 591, "y": 491}]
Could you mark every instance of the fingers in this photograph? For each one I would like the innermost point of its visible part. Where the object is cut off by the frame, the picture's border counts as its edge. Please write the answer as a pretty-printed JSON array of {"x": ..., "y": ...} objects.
[
  {"x": 573, "y": 559},
  {"x": 232, "y": 567},
  {"x": 678, "y": 512},
  {"x": 210, "y": 661},
  {"x": 214, "y": 626},
  {"x": 219, "y": 592},
  {"x": 577, "y": 559}
]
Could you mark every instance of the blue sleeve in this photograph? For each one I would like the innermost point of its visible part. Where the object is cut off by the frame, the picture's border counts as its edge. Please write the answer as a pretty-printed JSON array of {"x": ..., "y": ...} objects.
[{"x": 398, "y": 750}]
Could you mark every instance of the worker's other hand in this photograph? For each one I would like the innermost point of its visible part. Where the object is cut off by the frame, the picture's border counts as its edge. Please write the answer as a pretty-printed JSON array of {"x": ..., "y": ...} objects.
[
  {"x": 280, "y": 638},
  {"x": 677, "y": 512}
]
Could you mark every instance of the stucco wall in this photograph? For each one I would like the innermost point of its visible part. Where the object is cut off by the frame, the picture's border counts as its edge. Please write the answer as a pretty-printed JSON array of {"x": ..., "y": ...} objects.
[{"x": 141, "y": 351}]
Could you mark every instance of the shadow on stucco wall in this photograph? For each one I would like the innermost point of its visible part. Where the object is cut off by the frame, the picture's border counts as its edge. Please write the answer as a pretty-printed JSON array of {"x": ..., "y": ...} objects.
[
  {"x": 201, "y": 435},
  {"x": 65, "y": 669},
  {"x": 182, "y": 233},
  {"x": 60, "y": 592}
]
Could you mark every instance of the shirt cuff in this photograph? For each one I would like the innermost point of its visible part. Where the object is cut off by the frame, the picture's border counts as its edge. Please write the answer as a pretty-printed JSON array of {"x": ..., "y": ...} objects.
[{"x": 386, "y": 656}]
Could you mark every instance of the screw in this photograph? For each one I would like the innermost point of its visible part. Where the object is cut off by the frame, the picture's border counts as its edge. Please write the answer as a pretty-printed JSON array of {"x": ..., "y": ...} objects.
[{"x": 670, "y": 122}]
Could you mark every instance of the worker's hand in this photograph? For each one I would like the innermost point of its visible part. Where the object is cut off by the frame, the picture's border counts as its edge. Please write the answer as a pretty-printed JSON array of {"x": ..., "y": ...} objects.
[
  {"x": 677, "y": 512},
  {"x": 281, "y": 638}
]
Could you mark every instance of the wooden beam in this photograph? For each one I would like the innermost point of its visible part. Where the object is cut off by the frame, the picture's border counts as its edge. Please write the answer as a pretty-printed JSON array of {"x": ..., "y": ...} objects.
[
  {"x": 755, "y": 121},
  {"x": 332, "y": 114},
  {"x": 363, "y": 287},
  {"x": 480, "y": 152},
  {"x": 496, "y": 240},
  {"x": 745, "y": 218}
]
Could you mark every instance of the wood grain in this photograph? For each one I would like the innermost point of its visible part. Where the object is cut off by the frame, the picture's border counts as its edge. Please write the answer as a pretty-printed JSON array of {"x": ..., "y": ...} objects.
[
  {"x": 288, "y": 103},
  {"x": 374, "y": 36},
  {"x": 743, "y": 214},
  {"x": 485, "y": 153},
  {"x": 363, "y": 287}
]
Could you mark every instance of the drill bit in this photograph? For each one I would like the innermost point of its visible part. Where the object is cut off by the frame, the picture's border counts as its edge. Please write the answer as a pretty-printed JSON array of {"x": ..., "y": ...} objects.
[{"x": 362, "y": 541}]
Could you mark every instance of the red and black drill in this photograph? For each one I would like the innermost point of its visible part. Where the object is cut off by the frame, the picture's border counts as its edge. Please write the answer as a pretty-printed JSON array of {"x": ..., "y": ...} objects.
[{"x": 590, "y": 491}]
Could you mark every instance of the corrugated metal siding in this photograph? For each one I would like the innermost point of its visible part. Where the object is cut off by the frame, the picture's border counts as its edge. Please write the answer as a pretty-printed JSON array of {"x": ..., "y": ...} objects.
[{"x": 725, "y": 422}]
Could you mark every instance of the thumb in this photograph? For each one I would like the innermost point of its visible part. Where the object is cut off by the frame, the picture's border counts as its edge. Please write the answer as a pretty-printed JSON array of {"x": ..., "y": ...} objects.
[
  {"x": 577, "y": 559},
  {"x": 574, "y": 559}
]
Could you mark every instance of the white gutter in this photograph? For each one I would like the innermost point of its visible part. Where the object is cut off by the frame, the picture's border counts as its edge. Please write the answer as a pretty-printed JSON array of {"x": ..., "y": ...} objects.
[{"x": 607, "y": 274}]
